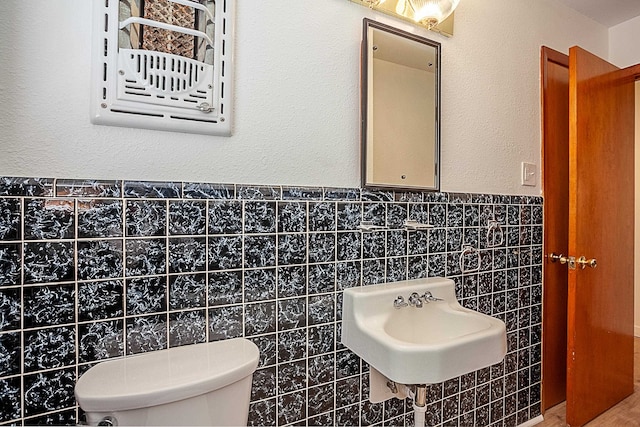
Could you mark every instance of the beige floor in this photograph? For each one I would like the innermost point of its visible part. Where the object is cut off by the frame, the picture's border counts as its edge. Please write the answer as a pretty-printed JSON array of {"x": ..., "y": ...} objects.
[{"x": 625, "y": 413}]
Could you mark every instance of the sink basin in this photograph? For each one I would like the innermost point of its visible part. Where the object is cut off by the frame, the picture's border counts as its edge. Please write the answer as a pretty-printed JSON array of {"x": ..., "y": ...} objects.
[{"x": 419, "y": 345}]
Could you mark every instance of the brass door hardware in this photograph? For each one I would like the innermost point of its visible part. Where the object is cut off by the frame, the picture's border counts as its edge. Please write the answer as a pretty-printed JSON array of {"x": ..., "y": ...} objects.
[{"x": 572, "y": 262}]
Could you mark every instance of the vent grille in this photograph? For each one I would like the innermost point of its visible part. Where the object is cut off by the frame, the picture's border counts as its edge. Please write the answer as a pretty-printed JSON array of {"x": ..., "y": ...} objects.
[{"x": 163, "y": 64}]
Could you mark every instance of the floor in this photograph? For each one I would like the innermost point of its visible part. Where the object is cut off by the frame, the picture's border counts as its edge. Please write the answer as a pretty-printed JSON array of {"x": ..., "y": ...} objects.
[{"x": 625, "y": 413}]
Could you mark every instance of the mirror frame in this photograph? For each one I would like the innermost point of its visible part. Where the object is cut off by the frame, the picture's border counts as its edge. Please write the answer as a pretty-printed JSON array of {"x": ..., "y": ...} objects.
[{"x": 364, "y": 106}]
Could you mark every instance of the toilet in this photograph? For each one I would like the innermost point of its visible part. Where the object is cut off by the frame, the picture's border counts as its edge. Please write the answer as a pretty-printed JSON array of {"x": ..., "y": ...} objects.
[{"x": 194, "y": 385}]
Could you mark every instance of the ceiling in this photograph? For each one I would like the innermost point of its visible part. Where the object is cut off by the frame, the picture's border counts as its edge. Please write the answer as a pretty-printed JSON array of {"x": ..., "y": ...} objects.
[{"x": 609, "y": 13}]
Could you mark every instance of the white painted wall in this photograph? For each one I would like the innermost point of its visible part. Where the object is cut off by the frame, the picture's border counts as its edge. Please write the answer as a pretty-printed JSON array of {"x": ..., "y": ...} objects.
[
  {"x": 297, "y": 84},
  {"x": 624, "y": 49}
]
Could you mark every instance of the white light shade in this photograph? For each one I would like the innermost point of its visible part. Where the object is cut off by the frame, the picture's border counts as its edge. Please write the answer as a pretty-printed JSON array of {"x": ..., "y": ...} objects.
[{"x": 432, "y": 12}]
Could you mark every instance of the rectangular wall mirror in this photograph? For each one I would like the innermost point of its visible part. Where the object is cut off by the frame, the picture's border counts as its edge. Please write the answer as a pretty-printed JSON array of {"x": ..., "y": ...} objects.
[{"x": 400, "y": 109}]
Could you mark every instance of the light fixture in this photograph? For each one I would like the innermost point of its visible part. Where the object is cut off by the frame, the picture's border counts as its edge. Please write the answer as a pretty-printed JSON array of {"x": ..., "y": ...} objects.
[
  {"x": 431, "y": 12},
  {"x": 426, "y": 13}
]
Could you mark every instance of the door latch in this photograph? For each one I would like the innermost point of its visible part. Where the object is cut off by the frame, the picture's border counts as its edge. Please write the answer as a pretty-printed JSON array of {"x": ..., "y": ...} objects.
[{"x": 571, "y": 261}]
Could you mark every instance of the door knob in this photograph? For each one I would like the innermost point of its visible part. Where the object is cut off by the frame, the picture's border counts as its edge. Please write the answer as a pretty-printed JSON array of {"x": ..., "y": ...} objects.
[{"x": 584, "y": 262}]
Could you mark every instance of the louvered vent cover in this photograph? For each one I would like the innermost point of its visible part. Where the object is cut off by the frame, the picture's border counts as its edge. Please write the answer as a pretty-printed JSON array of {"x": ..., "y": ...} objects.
[{"x": 163, "y": 64}]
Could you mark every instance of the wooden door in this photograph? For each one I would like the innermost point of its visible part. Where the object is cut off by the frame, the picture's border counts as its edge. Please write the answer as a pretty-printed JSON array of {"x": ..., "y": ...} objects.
[
  {"x": 601, "y": 226},
  {"x": 555, "y": 186}
]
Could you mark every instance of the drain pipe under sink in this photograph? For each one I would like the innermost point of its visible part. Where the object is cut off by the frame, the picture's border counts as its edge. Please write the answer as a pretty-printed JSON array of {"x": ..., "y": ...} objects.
[{"x": 418, "y": 393}]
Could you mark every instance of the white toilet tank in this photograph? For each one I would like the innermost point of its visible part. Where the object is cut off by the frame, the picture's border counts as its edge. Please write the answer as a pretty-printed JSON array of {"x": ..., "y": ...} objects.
[{"x": 195, "y": 385}]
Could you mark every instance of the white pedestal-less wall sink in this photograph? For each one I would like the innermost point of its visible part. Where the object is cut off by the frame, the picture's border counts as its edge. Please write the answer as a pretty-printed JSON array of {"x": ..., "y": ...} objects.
[{"x": 416, "y": 331}]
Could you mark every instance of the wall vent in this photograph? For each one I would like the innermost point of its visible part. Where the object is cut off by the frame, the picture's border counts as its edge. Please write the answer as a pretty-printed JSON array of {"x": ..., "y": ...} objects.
[{"x": 163, "y": 64}]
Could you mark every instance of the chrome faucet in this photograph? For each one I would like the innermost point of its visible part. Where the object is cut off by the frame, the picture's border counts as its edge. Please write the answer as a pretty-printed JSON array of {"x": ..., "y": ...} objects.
[
  {"x": 428, "y": 297},
  {"x": 399, "y": 302},
  {"x": 415, "y": 300}
]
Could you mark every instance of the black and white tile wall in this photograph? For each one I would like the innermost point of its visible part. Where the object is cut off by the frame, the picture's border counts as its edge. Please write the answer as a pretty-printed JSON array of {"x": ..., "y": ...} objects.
[{"x": 91, "y": 270}]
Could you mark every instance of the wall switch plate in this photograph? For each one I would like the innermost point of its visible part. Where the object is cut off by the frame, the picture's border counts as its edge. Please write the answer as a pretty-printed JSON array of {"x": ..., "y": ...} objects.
[{"x": 529, "y": 173}]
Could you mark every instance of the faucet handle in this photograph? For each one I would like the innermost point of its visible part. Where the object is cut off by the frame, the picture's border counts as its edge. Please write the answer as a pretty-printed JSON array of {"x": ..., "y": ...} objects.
[
  {"x": 399, "y": 302},
  {"x": 428, "y": 297},
  {"x": 415, "y": 300}
]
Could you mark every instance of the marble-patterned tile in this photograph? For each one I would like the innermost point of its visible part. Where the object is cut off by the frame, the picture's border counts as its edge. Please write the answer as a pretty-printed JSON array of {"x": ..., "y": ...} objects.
[
  {"x": 146, "y": 257},
  {"x": 348, "y": 415},
  {"x": 187, "y": 291},
  {"x": 396, "y": 269},
  {"x": 10, "y": 261},
  {"x": 225, "y": 287},
  {"x": 100, "y": 340},
  {"x": 48, "y": 262},
  {"x": 49, "y": 348},
  {"x": 10, "y": 227},
  {"x": 375, "y": 213},
  {"x": 146, "y": 295},
  {"x": 29, "y": 187},
  {"x": 146, "y": 218},
  {"x": 292, "y": 313},
  {"x": 49, "y": 391},
  {"x": 264, "y": 384},
  {"x": 321, "y": 339},
  {"x": 373, "y": 244},
  {"x": 438, "y": 214},
  {"x": 342, "y": 194},
  {"x": 259, "y": 251},
  {"x": 267, "y": 346},
  {"x": 10, "y": 355},
  {"x": 291, "y": 345},
  {"x": 321, "y": 309},
  {"x": 99, "y": 218},
  {"x": 292, "y": 217},
  {"x": 100, "y": 300},
  {"x": 347, "y": 393},
  {"x": 292, "y": 249},
  {"x": 302, "y": 193},
  {"x": 471, "y": 216},
  {"x": 187, "y": 327},
  {"x": 100, "y": 259},
  {"x": 322, "y": 247},
  {"x": 377, "y": 195},
  {"x": 187, "y": 217},
  {"x": 48, "y": 305},
  {"x": 146, "y": 333},
  {"x": 418, "y": 267},
  {"x": 10, "y": 402},
  {"x": 349, "y": 216},
  {"x": 260, "y": 318},
  {"x": 259, "y": 217},
  {"x": 321, "y": 369},
  {"x": 152, "y": 190},
  {"x": 225, "y": 252},
  {"x": 321, "y": 278},
  {"x": 349, "y": 246},
  {"x": 397, "y": 214},
  {"x": 373, "y": 271},
  {"x": 187, "y": 254},
  {"x": 11, "y": 309},
  {"x": 292, "y": 281},
  {"x": 370, "y": 413},
  {"x": 320, "y": 399},
  {"x": 348, "y": 274},
  {"x": 88, "y": 188},
  {"x": 225, "y": 217},
  {"x": 225, "y": 322},
  {"x": 260, "y": 285},
  {"x": 326, "y": 419},
  {"x": 65, "y": 417},
  {"x": 262, "y": 413},
  {"x": 437, "y": 264},
  {"x": 194, "y": 190},
  {"x": 292, "y": 407},
  {"x": 292, "y": 376},
  {"x": 419, "y": 242},
  {"x": 322, "y": 216},
  {"x": 396, "y": 243},
  {"x": 258, "y": 192},
  {"x": 347, "y": 364}
]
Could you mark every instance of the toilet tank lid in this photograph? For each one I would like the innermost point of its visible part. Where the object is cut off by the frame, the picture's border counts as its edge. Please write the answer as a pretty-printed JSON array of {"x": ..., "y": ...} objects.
[{"x": 164, "y": 376}]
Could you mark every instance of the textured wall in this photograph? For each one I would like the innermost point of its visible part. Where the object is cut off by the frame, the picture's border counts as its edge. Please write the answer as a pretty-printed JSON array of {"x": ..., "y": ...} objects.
[
  {"x": 100, "y": 269},
  {"x": 297, "y": 102}
]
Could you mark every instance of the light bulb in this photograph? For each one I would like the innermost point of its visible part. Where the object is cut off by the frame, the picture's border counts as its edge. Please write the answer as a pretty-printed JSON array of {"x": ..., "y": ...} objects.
[{"x": 432, "y": 12}]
